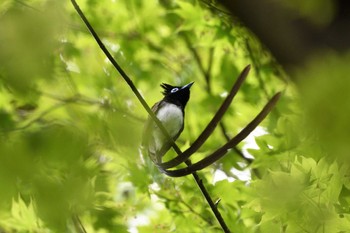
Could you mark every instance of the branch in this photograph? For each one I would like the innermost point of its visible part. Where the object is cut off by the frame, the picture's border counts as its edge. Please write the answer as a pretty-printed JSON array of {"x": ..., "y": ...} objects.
[
  {"x": 78, "y": 225},
  {"x": 206, "y": 73},
  {"x": 212, "y": 205},
  {"x": 179, "y": 199},
  {"x": 155, "y": 119},
  {"x": 257, "y": 65},
  {"x": 215, "y": 9},
  {"x": 89, "y": 101},
  {"x": 28, "y": 6}
]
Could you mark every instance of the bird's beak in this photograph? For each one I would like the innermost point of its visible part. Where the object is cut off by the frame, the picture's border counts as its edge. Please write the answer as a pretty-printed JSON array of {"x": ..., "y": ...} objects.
[{"x": 188, "y": 86}]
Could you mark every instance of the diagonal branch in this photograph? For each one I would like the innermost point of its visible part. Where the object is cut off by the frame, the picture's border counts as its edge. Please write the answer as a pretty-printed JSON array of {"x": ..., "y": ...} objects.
[
  {"x": 125, "y": 77},
  {"x": 206, "y": 73},
  {"x": 257, "y": 65},
  {"x": 233, "y": 142},
  {"x": 180, "y": 200},
  {"x": 211, "y": 126},
  {"x": 154, "y": 118},
  {"x": 78, "y": 225}
]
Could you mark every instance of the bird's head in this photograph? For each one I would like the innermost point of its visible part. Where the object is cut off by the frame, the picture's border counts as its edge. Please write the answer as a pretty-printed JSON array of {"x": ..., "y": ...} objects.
[{"x": 177, "y": 94}]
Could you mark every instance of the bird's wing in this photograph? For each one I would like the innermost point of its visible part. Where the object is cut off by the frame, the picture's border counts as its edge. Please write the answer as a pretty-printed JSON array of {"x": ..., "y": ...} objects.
[
  {"x": 147, "y": 130},
  {"x": 147, "y": 138},
  {"x": 168, "y": 145}
]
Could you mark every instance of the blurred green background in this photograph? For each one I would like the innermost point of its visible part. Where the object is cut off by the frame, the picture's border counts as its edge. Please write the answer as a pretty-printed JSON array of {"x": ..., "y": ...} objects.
[{"x": 70, "y": 127}]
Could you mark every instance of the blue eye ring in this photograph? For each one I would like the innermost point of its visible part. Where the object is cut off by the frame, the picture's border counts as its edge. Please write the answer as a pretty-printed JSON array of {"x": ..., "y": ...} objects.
[{"x": 175, "y": 89}]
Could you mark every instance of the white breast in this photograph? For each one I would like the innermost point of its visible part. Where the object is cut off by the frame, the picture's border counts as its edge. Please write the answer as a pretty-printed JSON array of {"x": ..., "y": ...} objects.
[{"x": 172, "y": 118}]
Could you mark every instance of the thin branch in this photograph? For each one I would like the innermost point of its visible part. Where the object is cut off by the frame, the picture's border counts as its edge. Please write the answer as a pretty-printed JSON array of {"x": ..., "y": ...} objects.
[
  {"x": 200, "y": 64},
  {"x": 211, "y": 126},
  {"x": 89, "y": 101},
  {"x": 233, "y": 142},
  {"x": 65, "y": 101},
  {"x": 210, "y": 65},
  {"x": 207, "y": 196},
  {"x": 149, "y": 111},
  {"x": 257, "y": 65},
  {"x": 188, "y": 206},
  {"x": 125, "y": 77},
  {"x": 79, "y": 227},
  {"x": 36, "y": 119},
  {"x": 68, "y": 77},
  {"x": 28, "y": 6},
  {"x": 215, "y": 8}
]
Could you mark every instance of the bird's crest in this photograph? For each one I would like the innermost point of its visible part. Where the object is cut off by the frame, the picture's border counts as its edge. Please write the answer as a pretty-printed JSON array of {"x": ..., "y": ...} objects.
[{"x": 167, "y": 88}]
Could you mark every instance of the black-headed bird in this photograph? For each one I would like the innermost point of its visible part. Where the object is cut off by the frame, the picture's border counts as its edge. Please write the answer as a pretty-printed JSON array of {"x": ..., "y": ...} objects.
[{"x": 171, "y": 112}]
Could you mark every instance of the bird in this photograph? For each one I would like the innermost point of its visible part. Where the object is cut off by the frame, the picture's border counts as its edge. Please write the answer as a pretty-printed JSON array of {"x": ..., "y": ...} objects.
[{"x": 171, "y": 112}]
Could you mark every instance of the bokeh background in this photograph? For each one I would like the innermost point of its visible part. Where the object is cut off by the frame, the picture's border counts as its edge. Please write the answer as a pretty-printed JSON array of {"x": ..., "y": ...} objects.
[{"x": 70, "y": 127}]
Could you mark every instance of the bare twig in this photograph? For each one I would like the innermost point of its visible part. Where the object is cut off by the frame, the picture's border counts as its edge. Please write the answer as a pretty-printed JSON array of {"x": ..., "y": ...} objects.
[
  {"x": 78, "y": 225},
  {"x": 207, "y": 196}
]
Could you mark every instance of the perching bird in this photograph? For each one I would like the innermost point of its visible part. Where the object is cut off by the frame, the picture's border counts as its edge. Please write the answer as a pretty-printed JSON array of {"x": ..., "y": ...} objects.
[{"x": 170, "y": 111}]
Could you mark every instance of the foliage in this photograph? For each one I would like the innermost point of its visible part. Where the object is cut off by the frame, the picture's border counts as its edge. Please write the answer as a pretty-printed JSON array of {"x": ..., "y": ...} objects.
[{"x": 70, "y": 127}]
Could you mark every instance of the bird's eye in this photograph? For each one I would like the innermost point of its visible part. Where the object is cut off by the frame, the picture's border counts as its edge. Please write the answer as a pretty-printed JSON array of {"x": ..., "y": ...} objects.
[{"x": 175, "y": 89}]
